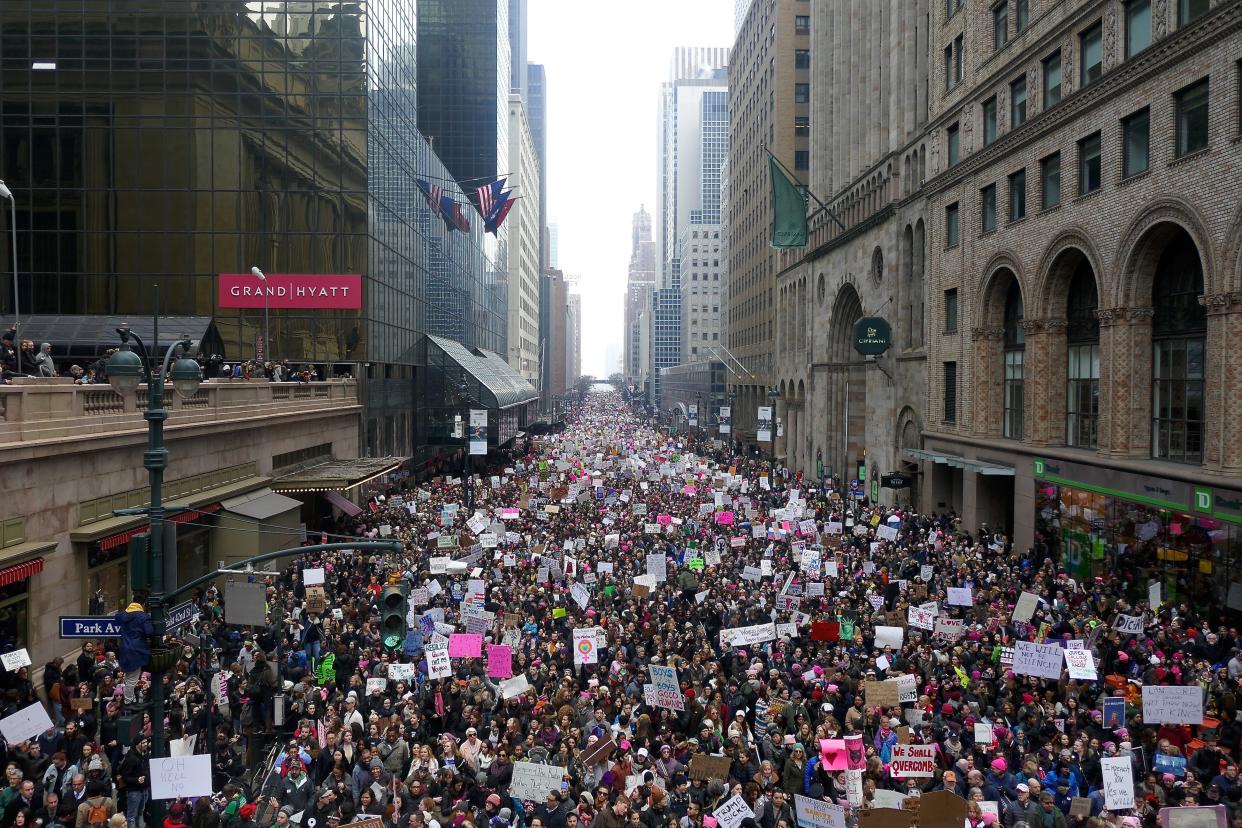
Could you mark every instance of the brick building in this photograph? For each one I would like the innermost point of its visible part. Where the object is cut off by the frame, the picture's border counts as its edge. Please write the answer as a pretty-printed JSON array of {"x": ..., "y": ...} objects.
[{"x": 1084, "y": 280}]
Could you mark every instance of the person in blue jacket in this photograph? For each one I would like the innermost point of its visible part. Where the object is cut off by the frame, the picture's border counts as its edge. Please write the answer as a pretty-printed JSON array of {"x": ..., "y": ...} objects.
[{"x": 135, "y": 650}]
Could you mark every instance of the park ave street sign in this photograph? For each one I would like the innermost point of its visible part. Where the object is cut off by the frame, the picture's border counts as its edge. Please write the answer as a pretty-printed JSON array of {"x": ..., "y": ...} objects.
[{"x": 88, "y": 626}]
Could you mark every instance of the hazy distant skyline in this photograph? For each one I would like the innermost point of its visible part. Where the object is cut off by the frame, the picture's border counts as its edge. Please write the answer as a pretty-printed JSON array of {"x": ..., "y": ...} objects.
[{"x": 604, "y": 70}]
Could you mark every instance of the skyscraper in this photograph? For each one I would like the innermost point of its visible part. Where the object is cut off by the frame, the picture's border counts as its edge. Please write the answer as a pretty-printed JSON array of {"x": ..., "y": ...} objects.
[
  {"x": 638, "y": 296},
  {"x": 517, "y": 47},
  {"x": 523, "y": 246}
]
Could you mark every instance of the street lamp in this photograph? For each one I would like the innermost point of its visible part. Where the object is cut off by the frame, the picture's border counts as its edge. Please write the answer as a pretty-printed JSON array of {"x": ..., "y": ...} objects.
[
  {"x": 773, "y": 396},
  {"x": 463, "y": 396},
  {"x": 5, "y": 192},
  {"x": 258, "y": 274},
  {"x": 125, "y": 371}
]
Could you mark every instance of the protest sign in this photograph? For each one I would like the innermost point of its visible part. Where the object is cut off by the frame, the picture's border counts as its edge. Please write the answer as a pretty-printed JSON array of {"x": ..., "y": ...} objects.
[
  {"x": 960, "y": 597},
  {"x": 983, "y": 733},
  {"x": 1128, "y": 624},
  {"x": 585, "y": 651},
  {"x": 1043, "y": 660},
  {"x": 889, "y": 636},
  {"x": 438, "y": 664},
  {"x": 949, "y": 629},
  {"x": 26, "y": 723},
  {"x": 1080, "y": 664},
  {"x": 312, "y": 576},
  {"x": 465, "y": 645},
  {"x": 667, "y": 689},
  {"x": 748, "y": 636},
  {"x": 907, "y": 687},
  {"x": 1118, "y": 782},
  {"x": 1173, "y": 705},
  {"x": 16, "y": 659},
  {"x": 1024, "y": 610},
  {"x": 881, "y": 694},
  {"x": 911, "y": 761},
  {"x": 815, "y": 813},
  {"x": 920, "y": 618},
  {"x": 733, "y": 812},
  {"x": 703, "y": 766},
  {"x": 499, "y": 661},
  {"x": 514, "y": 687},
  {"x": 599, "y": 752},
  {"x": 181, "y": 776},
  {"x": 535, "y": 782}
]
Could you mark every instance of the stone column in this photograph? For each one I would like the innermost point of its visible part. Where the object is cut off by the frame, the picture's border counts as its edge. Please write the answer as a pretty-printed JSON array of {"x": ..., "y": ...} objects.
[
  {"x": 1125, "y": 381},
  {"x": 1044, "y": 418},
  {"x": 1222, "y": 450},
  {"x": 988, "y": 382}
]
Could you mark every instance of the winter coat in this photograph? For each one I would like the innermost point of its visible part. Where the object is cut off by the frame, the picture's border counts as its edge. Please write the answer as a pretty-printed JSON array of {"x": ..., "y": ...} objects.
[{"x": 136, "y": 629}]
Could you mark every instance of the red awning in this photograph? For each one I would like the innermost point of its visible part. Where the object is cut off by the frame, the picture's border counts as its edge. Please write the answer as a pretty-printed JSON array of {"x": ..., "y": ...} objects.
[
  {"x": 20, "y": 572},
  {"x": 113, "y": 541}
]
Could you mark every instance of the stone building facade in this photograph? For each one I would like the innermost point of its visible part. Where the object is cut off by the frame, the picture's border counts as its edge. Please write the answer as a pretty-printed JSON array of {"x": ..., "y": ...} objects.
[
  {"x": 1084, "y": 276},
  {"x": 842, "y": 414}
]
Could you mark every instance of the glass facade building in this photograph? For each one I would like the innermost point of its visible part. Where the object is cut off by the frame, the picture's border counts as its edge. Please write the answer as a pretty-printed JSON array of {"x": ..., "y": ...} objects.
[{"x": 164, "y": 143}]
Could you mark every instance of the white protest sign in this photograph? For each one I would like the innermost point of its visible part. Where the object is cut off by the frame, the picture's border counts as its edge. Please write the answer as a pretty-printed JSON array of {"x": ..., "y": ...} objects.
[
  {"x": 585, "y": 651},
  {"x": 376, "y": 685},
  {"x": 920, "y": 618},
  {"x": 1026, "y": 606},
  {"x": 815, "y": 813},
  {"x": 907, "y": 688},
  {"x": 733, "y": 812},
  {"x": 889, "y": 636},
  {"x": 1129, "y": 624},
  {"x": 912, "y": 761},
  {"x": 657, "y": 567},
  {"x": 983, "y": 733},
  {"x": 312, "y": 576},
  {"x": 535, "y": 782},
  {"x": 926, "y": 572},
  {"x": 1170, "y": 705},
  {"x": 667, "y": 688},
  {"x": 960, "y": 597},
  {"x": 1043, "y": 660},
  {"x": 181, "y": 776},
  {"x": 16, "y": 659},
  {"x": 580, "y": 594},
  {"x": 748, "y": 636},
  {"x": 1118, "y": 782},
  {"x": 886, "y": 532},
  {"x": 1080, "y": 664},
  {"x": 439, "y": 665},
  {"x": 514, "y": 687},
  {"x": 949, "y": 629},
  {"x": 27, "y": 723},
  {"x": 401, "y": 672}
]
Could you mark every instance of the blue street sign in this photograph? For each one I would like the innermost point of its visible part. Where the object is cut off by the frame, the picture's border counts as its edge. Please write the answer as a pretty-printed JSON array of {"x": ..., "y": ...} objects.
[
  {"x": 181, "y": 614},
  {"x": 88, "y": 626}
]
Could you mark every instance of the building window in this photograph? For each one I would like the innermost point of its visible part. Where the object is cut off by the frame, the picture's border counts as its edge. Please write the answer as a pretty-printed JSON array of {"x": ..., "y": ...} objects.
[
  {"x": 1017, "y": 195},
  {"x": 989, "y": 120},
  {"x": 1052, "y": 80},
  {"x": 1000, "y": 25},
  {"x": 953, "y": 142},
  {"x": 1138, "y": 26},
  {"x": 802, "y": 126},
  {"x": 959, "y": 58},
  {"x": 1017, "y": 103},
  {"x": 802, "y": 160},
  {"x": 1091, "y": 47},
  {"x": 948, "y": 67},
  {"x": 1192, "y": 118},
  {"x": 950, "y": 392},
  {"x": 1022, "y": 15},
  {"x": 1014, "y": 355},
  {"x": 1082, "y": 338},
  {"x": 950, "y": 311},
  {"x": 1050, "y": 181},
  {"x": 952, "y": 225},
  {"x": 1089, "y": 164},
  {"x": 1188, "y": 11},
  {"x": 802, "y": 23},
  {"x": 987, "y": 208},
  {"x": 1136, "y": 131},
  {"x": 1178, "y": 335},
  {"x": 802, "y": 93},
  {"x": 802, "y": 58},
  {"x": 951, "y": 7}
]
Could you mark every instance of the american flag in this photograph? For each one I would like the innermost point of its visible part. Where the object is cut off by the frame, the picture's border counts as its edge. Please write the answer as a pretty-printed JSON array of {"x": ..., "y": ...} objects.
[{"x": 484, "y": 196}]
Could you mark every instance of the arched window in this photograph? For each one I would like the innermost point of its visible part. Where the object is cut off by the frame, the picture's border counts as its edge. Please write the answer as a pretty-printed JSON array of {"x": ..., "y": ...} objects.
[
  {"x": 1178, "y": 331},
  {"x": 1014, "y": 354},
  {"x": 1082, "y": 338}
]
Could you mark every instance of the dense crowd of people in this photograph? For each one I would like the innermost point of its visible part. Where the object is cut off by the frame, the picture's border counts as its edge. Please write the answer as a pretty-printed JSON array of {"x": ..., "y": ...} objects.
[{"x": 626, "y": 629}]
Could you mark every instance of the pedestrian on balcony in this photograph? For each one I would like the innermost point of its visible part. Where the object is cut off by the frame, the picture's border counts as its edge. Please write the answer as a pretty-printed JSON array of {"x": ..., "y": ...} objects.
[
  {"x": 44, "y": 365},
  {"x": 8, "y": 354}
]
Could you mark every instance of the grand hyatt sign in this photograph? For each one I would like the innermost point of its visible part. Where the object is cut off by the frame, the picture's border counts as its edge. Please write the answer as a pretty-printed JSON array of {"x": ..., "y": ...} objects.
[{"x": 301, "y": 291}]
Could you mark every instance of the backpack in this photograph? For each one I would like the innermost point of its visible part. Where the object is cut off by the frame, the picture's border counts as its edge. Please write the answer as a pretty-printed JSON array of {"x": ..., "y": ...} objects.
[{"x": 97, "y": 814}]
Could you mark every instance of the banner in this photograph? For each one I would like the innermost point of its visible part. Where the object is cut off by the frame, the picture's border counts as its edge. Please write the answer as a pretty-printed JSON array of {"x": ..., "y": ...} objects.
[
  {"x": 302, "y": 291},
  {"x": 788, "y": 213},
  {"x": 763, "y": 424},
  {"x": 748, "y": 636},
  {"x": 1042, "y": 660},
  {"x": 913, "y": 761},
  {"x": 692, "y": 416},
  {"x": 1173, "y": 705},
  {"x": 815, "y": 813},
  {"x": 726, "y": 419},
  {"x": 478, "y": 432},
  {"x": 666, "y": 689}
]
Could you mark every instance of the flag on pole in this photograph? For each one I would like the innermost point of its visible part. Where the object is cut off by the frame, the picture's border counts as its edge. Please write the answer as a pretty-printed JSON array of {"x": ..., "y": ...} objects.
[
  {"x": 485, "y": 196},
  {"x": 788, "y": 209},
  {"x": 431, "y": 192},
  {"x": 493, "y": 222},
  {"x": 451, "y": 212}
]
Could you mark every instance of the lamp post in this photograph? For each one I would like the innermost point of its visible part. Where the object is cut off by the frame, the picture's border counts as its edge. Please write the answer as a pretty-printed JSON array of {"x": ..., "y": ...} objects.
[
  {"x": 125, "y": 372},
  {"x": 5, "y": 192},
  {"x": 267, "y": 343},
  {"x": 467, "y": 482},
  {"x": 773, "y": 396}
]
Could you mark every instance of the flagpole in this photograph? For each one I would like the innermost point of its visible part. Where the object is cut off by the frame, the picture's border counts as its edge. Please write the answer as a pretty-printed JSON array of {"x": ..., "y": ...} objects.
[{"x": 823, "y": 208}]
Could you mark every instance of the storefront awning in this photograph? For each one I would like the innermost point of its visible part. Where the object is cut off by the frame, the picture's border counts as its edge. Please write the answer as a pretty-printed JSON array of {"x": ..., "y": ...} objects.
[
  {"x": 261, "y": 505},
  {"x": 337, "y": 475},
  {"x": 957, "y": 461},
  {"x": 20, "y": 572},
  {"x": 347, "y": 507},
  {"x": 501, "y": 386},
  {"x": 122, "y": 538},
  {"x": 207, "y": 501}
]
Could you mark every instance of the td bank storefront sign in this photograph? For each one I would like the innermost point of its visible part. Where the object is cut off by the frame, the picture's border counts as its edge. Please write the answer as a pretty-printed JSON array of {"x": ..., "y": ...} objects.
[{"x": 303, "y": 291}]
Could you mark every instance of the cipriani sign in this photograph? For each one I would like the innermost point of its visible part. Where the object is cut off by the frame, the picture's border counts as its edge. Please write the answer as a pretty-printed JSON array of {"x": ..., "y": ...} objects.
[{"x": 302, "y": 291}]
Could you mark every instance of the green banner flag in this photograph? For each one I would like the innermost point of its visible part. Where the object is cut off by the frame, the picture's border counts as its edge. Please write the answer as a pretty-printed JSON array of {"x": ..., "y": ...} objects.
[{"x": 788, "y": 209}]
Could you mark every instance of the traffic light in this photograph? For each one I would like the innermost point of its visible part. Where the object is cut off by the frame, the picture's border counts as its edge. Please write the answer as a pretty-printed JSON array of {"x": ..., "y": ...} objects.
[{"x": 393, "y": 609}]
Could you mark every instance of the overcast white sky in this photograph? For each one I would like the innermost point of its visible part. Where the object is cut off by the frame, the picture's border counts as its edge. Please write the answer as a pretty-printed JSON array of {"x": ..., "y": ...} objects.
[{"x": 605, "y": 61}]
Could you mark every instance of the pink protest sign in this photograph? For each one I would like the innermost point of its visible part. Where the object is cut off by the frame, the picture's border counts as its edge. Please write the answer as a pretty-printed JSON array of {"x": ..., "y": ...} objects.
[
  {"x": 832, "y": 751},
  {"x": 465, "y": 645},
  {"x": 664, "y": 520},
  {"x": 688, "y": 490},
  {"x": 499, "y": 661},
  {"x": 724, "y": 518}
]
